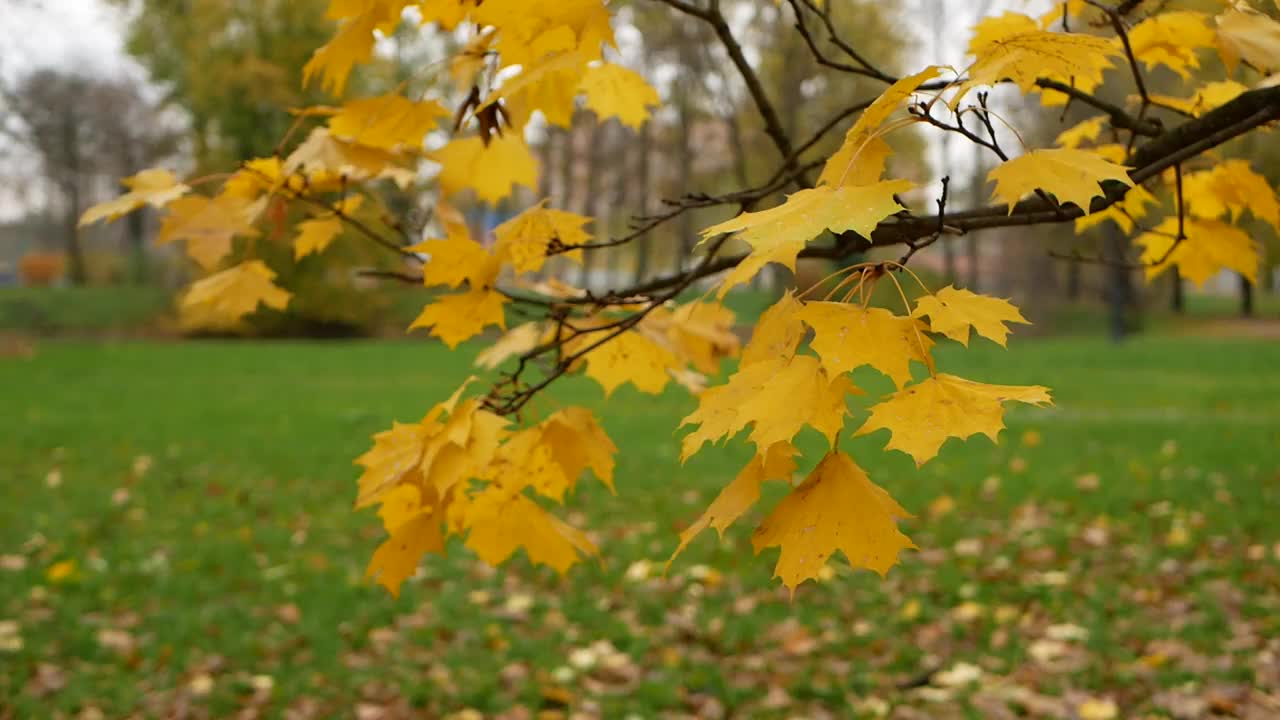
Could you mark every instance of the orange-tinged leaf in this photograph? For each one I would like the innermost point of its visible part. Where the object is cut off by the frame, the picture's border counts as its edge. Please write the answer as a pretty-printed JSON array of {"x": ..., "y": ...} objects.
[
  {"x": 776, "y": 463},
  {"x": 836, "y": 508},
  {"x": 848, "y": 336},
  {"x": 397, "y": 558},
  {"x": 861, "y": 157},
  {"x": 154, "y": 187},
  {"x": 502, "y": 522},
  {"x": 461, "y": 316},
  {"x": 630, "y": 358},
  {"x": 227, "y": 296},
  {"x": 528, "y": 239},
  {"x": 1210, "y": 247},
  {"x": 922, "y": 416},
  {"x": 493, "y": 171},
  {"x": 388, "y": 121},
  {"x": 952, "y": 312},
  {"x": 614, "y": 91},
  {"x": 1070, "y": 175},
  {"x": 780, "y": 233}
]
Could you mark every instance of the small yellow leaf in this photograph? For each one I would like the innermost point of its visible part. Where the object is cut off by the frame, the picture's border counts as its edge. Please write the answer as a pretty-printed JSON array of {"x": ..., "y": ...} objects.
[
  {"x": 154, "y": 187},
  {"x": 922, "y": 416},
  {"x": 780, "y": 233},
  {"x": 208, "y": 225},
  {"x": 398, "y": 556},
  {"x": 1085, "y": 132},
  {"x": 227, "y": 296},
  {"x": 501, "y": 522},
  {"x": 61, "y": 571},
  {"x": 1171, "y": 39},
  {"x": 1026, "y": 56},
  {"x": 1210, "y": 246},
  {"x": 861, "y": 157},
  {"x": 836, "y": 508},
  {"x": 315, "y": 235},
  {"x": 776, "y": 463},
  {"x": 618, "y": 92},
  {"x": 324, "y": 154},
  {"x": 461, "y": 316},
  {"x": 630, "y": 358},
  {"x": 387, "y": 121},
  {"x": 847, "y": 337},
  {"x": 1070, "y": 175},
  {"x": 492, "y": 171},
  {"x": 528, "y": 239},
  {"x": 517, "y": 341},
  {"x": 455, "y": 260},
  {"x": 352, "y": 45},
  {"x": 952, "y": 312}
]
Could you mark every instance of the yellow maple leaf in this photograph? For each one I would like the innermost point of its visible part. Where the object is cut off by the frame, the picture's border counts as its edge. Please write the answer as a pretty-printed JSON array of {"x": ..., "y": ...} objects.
[
  {"x": 549, "y": 85},
  {"x": 777, "y": 398},
  {"x": 388, "y": 121},
  {"x": 1070, "y": 175},
  {"x": 502, "y": 521},
  {"x": 353, "y": 43},
  {"x": 848, "y": 336},
  {"x": 227, "y": 296},
  {"x": 1246, "y": 34},
  {"x": 1210, "y": 246},
  {"x": 315, "y": 235},
  {"x": 952, "y": 312},
  {"x": 447, "y": 13},
  {"x": 493, "y": 171},
  {"x": 1084, "y": 132},
  {"x": 399, "y": 505},
  {"x": 1206, "y": 97},
  {"x": 1124, "y": 213},
  {"x": 922, "y": 416},
  {"x": 777, "y": 333},
  {"x": 397, "y": 558},
  {"x": 779, "y": 234},
  {"x": 208, "y": 225},
  {"x": 325, "y": 155},
  {"x": 395, "y": 454},
  {"x": 776, "y": 463},
  {"x": 836, "y": 508},
  {"x": 700, "y": 333},
  {"x": 630, "y": 358},
  {"x": 154, "y": 187},
  {"x": 1171, "y": 39},
  {"x": 528, "y": 239},
  {"x": 516, "y": 341},
  {"x": 578, "y": 442},
  {"x": 613, "y": 91},
  {"x": 457, "y": 259},
  {"x": 861, "y": 157},
  {"x": 1230, "y": 188},
  {"x": 461, "y": 316},
  {"x": 1026, "y": 56}
]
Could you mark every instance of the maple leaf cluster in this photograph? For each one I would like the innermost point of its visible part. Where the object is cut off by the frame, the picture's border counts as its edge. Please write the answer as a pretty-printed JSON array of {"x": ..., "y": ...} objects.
[{"x": 476, "y": 468}]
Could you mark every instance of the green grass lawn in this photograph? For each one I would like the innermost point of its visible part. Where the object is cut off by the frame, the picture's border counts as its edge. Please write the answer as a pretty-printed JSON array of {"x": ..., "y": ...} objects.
[{"x": 176, "y": 537}]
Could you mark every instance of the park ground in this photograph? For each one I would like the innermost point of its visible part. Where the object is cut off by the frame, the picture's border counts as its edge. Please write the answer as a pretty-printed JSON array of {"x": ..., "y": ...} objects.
[{"x": 177, "y": 540}]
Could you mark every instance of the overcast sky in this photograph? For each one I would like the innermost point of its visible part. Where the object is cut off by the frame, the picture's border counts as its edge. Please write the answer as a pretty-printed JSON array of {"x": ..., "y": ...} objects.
[{"x": 78, "y": 33}]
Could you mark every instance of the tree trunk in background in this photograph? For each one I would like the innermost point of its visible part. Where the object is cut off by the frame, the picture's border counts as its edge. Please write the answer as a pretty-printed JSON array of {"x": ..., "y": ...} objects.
[
  {"x": 1246, "y": 297},
  {"x": 684, "y": 161},
  {"x": 566, "y": 165},
  {"x": 546, "y": 159},
  {"x": 643, "y": 244},
  {"x": 1119, "y": 288},
  {"x": 977, "y": 194},
  {"x": 137, "y": 240},
  {"x": 615, "y": 208},
  {"x": 595, "y": 135},
  {"x": 1177, "y": 299},
  {"x": 1073, "y": 280},
  {"x": 71, "y": 194}
]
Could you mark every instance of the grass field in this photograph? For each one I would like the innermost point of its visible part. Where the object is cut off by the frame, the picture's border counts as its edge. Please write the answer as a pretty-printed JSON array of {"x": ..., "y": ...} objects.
[{"x": 176, "y": 539}]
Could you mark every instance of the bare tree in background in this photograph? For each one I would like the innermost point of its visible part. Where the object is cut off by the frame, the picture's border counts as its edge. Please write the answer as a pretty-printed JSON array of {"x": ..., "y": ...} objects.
[{"x": 84, "y": 132}]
